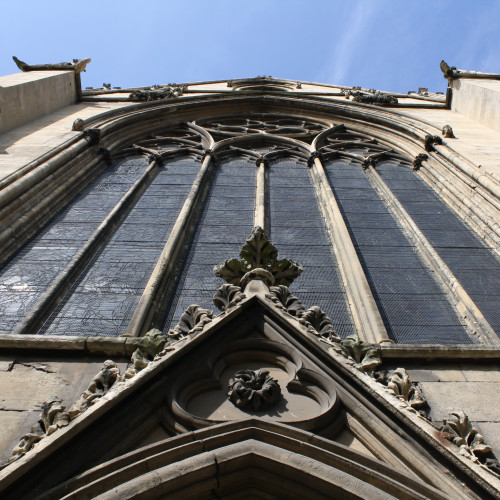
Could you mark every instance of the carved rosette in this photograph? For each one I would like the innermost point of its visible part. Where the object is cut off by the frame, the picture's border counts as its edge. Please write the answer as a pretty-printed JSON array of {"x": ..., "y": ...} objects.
[{"x": 253, "y": 390}]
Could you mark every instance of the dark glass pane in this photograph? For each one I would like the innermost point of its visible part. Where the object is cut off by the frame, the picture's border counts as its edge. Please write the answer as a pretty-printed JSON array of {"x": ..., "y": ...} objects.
[
  {"x": 414, "y": 308},
  {"x": 28, "y": 274},
  {"x": 104, "y": 298},
  {"x": 469, "y": 259},
  {"x": 298, "y": 231},
  {"x": 226, "y": 221}
]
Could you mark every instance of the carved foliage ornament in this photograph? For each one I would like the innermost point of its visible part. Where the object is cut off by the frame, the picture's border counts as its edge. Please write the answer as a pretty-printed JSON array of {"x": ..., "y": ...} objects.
[
  {"x": 398, "y": 383},
  {"x": 253, "y": 390},
  {"x": 365, "y": 357},
  {"x": 228, "y": 296},
  {"x": 259, "y": 257},
  {"x": 377, "y": 99},
  {"x": 150, "y": 347},
  {"x": 459, "y": 430}
]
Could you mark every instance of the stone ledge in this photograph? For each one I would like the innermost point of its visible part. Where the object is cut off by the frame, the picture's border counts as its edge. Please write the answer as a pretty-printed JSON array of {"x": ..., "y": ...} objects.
[
  {"x": 439, "y": 351},
  {"x": 112, "y": 346}
]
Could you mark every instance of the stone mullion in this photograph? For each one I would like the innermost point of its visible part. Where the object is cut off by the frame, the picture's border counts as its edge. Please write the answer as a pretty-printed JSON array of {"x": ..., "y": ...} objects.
[
  {"x": 366, "y": 315},
  {"x": 150, "y": 310},
  {"x": 66, "y": 278},
  {"x": 261, "y": 195},
  {"x": 463, "y": 303}
]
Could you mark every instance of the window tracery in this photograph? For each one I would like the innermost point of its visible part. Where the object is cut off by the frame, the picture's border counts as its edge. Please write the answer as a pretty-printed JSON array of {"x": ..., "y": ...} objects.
[{"x": 222, "y": 177}]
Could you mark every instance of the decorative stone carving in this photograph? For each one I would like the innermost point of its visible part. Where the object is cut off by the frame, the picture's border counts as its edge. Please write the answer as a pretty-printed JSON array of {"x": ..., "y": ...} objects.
[
  {"x": 283, "y": 299},
  {"x": 318, "y": 323},
  {"x": 106, "y": 154},
  {"x": 258, "y": 253},
  {"x": 448, "y": 132},
  {"x": 228, "y": 296},
  {"x": 92, "y": 135},
  {"x": 78, "y": 125},
  {"x": 253, "y": 390},
  {"x": 365, "y": 357},
  {"x": 377, "y": 98},
  {"x": 399, "y": 383},
  {"x": 447, "y": 70},
  {"x": 368, "y": 162},
  {"x": 459, "y": 430},
  {"x": 431, "y": 140},
  {"x": 52, "y": 418},
  {"x": 149, "y": 346},
  {"x": 417, "y": 161},
  {"x": 192, "y": 320},
  {"x": 99, "y": 386},
  {"x": 78, "y": 65},
  {"x": 314, "y": 155},
  {"x": 154, "y": 94}
]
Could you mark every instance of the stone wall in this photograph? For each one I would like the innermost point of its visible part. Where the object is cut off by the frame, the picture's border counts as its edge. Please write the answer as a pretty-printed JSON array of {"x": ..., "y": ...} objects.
[{"x": 27, "y": 96}]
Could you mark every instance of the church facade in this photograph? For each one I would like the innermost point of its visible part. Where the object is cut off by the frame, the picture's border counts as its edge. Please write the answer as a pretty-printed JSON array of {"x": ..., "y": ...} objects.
[{"x": 254, "y": 288}]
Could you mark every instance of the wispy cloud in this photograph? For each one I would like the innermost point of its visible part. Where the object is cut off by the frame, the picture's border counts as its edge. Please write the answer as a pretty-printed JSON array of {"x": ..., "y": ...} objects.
[{"x": 348, "y": 41}]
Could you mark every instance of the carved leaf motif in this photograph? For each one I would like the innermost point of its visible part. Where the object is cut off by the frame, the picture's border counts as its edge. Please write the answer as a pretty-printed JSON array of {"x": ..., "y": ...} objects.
[
  {"x": 149, "y": 346},
  {"x": 231, "y": 270},
  {"x": 258, "y": 253},
  {"x": 459, "y": 430},
  {"x": 228, "y": 296},
  {"x": 283, "y": 298},
  {"x": 99, "y": 386},
  {"x": 400, "y": 384},
  {"x": 319, "y": 323},
  {"x": 365, "y": 356},
  {"x": 193, "y": 319}
]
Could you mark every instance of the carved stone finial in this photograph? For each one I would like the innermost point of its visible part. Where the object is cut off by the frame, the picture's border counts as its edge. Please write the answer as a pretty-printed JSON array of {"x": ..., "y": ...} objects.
[
  {"x": 253, "y": 390},
  {"x": 259, "y": 260},
  {"x": 366, "y": 357},
  {"x": 448, "y": 71},
  {"x": 148, "y": 347},
  {"x": 448, "y": 132},
  {"x": 92, "y": 135}
]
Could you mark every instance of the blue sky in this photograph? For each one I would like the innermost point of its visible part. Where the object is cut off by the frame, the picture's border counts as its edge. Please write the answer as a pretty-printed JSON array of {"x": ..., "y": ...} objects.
[{"x": 392, "y": 45}]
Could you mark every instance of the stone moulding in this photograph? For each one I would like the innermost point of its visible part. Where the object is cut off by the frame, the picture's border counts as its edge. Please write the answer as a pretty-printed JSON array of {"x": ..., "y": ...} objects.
[{"x": 254, "y": 390}]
